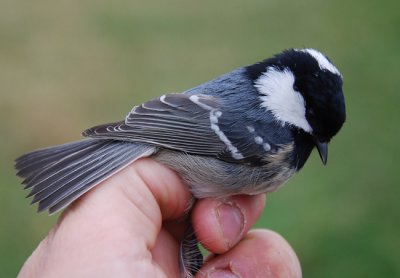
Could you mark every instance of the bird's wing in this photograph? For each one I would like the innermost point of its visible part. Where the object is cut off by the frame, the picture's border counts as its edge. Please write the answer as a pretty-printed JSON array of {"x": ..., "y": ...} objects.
[
  {"x": 175, "y": 121},
  {"x": 196, "y": 124}
]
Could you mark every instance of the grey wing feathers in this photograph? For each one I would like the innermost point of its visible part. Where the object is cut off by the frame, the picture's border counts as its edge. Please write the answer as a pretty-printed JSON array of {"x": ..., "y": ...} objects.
[
  {"x": 59, "y": 175},
  {"x": 175, "y": 121}
]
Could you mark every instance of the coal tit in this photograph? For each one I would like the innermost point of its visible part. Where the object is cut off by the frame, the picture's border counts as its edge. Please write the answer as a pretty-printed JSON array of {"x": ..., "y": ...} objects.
[{"x": 245, "y": 132}]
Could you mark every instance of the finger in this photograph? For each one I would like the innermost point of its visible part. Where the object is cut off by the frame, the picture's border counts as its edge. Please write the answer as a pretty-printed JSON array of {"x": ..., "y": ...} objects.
[
  {"x": 262, "y": 253},
  {"x": 168, "y": 189},
  {"x": 220, "y": 224}
]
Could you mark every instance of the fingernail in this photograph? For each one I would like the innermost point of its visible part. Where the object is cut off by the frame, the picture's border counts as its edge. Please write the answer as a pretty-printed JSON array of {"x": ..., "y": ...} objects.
[
  {"x": 220, "y": 273},
  {"x": 231, "y": 221}
]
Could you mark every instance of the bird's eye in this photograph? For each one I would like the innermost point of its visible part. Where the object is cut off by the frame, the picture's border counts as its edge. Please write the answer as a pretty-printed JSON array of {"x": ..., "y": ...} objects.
[
  {"x": 296, "y": 88},
  {"x": 316, "y": 75}
]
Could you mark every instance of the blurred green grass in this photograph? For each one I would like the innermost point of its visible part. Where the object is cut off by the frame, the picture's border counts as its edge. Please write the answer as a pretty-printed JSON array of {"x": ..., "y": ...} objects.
[{"x": 68, "y": 65}]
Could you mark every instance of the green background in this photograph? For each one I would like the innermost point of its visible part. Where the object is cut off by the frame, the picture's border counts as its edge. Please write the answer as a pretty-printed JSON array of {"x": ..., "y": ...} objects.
[{"x": 68, "y": 65}]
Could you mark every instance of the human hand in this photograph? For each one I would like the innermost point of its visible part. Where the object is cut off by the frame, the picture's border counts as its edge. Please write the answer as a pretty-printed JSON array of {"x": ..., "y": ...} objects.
[{"x": 129, "y": 227}]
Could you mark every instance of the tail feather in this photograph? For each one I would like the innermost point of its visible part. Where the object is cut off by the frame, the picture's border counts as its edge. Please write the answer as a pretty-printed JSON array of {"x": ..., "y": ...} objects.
[
  {"x": 62, "y": 167},
  {"x": 30, "y": 164},
  {"x": 61, "y": 174},
  {"x": 68, "y": 167}
]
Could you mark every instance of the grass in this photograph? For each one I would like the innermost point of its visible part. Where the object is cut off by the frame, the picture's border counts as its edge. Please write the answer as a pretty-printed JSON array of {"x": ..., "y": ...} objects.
[{"x": 68, "y": 65}]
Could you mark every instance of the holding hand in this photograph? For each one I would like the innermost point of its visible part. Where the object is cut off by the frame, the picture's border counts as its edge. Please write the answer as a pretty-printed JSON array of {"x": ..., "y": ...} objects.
[{"x": 129, "y": 227}]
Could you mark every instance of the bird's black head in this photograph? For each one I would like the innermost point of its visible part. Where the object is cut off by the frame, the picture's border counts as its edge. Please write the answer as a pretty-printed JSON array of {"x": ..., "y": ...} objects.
[{"x": 302, "y": 88}]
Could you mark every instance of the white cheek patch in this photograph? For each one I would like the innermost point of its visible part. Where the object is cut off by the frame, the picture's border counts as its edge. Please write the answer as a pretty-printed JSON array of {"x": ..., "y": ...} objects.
[
  {"x": 279, "y": 97},
  {"x": 323, "y": 62}
]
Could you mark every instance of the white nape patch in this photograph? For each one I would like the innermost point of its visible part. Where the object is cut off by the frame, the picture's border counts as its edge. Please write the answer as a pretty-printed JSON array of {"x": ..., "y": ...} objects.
[
  {"x": 195, "y": 99},
  {"x": 214, "y": 115},
  {"x": 323, "y": 62},
  {"x": 279, "y": 97}
]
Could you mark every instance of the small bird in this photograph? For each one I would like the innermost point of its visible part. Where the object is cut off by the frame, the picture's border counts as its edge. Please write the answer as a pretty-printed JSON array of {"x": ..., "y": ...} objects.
[{"x": 245, "y": 132}]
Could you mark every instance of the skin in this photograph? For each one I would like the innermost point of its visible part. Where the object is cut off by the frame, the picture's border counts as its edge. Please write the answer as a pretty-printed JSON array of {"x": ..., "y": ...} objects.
[{"x": 131, "y": 225}]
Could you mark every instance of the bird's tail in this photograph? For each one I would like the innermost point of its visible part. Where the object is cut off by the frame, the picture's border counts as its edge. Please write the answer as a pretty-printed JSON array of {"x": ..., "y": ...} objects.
[{"x": 59, "y": 175}]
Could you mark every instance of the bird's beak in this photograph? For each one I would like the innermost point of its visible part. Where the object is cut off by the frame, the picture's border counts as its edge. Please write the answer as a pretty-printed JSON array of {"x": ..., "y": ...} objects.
[{"x": 322, "y": 150}]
